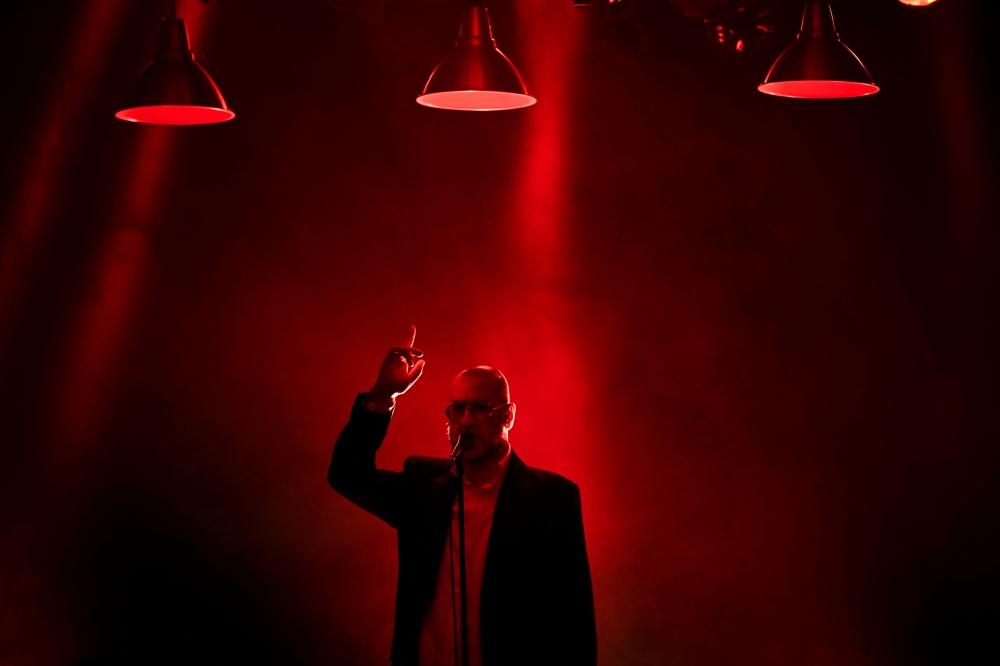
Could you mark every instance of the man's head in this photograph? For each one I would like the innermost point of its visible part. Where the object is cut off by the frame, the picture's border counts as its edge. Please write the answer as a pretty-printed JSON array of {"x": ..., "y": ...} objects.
[{"x": 480, "y": 404}]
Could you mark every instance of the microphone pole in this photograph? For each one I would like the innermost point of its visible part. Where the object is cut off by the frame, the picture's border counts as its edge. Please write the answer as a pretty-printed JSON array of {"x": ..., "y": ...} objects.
[{"x": 464, "y": 442}]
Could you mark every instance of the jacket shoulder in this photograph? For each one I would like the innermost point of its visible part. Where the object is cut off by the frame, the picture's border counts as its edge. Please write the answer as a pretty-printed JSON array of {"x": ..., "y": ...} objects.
[{"x": 552, "y": 482}]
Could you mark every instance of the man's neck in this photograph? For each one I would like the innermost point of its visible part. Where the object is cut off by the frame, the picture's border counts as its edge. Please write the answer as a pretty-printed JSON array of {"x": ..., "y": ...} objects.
[{"x": 482, "y": 469}]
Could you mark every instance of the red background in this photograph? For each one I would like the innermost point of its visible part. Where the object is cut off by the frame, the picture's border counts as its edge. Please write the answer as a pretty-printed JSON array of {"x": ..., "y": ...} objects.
[{"x": 759, "y": 333}]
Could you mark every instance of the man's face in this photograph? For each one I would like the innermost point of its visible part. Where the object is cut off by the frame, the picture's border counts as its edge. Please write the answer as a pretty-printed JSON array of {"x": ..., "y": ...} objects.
[{"x": 488, "y": 432}]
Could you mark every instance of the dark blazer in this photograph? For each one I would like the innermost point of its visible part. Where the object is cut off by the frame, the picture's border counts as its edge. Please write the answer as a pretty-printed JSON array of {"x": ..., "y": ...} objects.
[{"x": 537, "y": 603}]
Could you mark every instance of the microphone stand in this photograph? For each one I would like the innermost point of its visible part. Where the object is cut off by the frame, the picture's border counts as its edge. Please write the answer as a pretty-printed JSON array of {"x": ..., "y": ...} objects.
[
  {"x": 456, "y": 456},
  {"x": 463, "y": 591}
]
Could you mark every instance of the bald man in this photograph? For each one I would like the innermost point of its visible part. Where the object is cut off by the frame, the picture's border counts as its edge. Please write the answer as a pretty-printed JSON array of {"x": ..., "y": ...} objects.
[{"x": 530, "y": 599}]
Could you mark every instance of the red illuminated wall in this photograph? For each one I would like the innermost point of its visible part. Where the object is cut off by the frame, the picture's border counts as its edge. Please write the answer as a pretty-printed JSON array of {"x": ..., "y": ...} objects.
[{"x": 759, "y": 333}]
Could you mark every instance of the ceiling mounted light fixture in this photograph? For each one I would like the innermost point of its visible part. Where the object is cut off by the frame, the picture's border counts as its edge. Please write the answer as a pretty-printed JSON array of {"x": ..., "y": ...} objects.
[
  {"x": 818, "y": 65},
  {"x": 918, "y": 3},
  {"x": 475, "y": 76},
  {"x": 174, "y": 89}
]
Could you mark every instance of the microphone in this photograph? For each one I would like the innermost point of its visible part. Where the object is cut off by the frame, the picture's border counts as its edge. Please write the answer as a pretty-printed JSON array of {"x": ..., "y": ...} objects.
[{"x": 463, "y": 444}]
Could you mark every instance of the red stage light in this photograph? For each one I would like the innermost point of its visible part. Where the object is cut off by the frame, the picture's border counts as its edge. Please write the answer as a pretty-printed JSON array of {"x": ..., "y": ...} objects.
[
  {"x": 475, "y": 100},
  {"x": 818, "y": 65},
  {"x": 175, "y": 115},
  {"x": 918, "y": 3},
  {"x": 819, "y": 89},
  {"x": 174, "y": 89},
  {"x": 475, "y": 76}
]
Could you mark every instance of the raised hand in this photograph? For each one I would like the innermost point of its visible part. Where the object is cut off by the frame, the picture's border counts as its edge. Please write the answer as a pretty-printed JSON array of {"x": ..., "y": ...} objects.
[{"x": 401, "y": 368}]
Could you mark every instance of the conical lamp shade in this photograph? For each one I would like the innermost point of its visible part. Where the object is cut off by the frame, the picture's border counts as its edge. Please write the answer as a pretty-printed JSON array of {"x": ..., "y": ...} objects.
[
  {"x": 475, "y": 76},
  {"x": 174, "y": 89},
  {"x": 818, "y": 64}
]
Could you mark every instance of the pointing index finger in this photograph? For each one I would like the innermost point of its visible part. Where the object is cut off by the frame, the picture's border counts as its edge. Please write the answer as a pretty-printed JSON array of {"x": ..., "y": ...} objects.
[{"x": 413, "y": 336}]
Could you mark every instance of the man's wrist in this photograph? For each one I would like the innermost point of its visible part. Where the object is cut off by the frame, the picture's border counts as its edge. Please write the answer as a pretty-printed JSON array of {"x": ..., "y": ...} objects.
[{"x": 379, "y": 402}]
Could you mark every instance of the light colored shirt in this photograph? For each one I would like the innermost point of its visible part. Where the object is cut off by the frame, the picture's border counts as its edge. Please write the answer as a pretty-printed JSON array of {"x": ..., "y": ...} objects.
[{"x": 441, "y": 632}]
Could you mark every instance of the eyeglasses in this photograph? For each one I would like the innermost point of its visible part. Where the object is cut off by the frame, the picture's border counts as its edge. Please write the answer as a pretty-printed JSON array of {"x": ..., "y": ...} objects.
[{"x": 479, "y": 410}]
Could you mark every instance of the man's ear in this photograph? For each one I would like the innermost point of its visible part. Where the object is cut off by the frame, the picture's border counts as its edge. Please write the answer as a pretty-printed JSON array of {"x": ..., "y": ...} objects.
[{"x": 511, "y": 409}]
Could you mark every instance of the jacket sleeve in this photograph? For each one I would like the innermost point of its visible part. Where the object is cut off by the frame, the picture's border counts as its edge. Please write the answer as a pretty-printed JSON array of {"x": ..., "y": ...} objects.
[
  {"x": 576, "y": 624},
  {"x": 352, "y": 470}
]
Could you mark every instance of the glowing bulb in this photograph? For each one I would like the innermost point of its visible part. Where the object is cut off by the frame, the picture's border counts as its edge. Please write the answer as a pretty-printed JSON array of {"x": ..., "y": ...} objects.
[{"x": 918, "y": 3}]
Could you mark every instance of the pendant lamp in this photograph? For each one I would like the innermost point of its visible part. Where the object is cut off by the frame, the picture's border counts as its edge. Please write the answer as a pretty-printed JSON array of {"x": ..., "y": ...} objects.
[
  {"x": 475, "y": 76},
  {"x": 174, "y": 89},
  {"x": 918, "y": 3},
  {"x": 818, "y": 65}
]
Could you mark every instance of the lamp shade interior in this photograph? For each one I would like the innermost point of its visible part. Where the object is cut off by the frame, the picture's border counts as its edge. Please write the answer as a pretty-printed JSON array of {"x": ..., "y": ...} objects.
[
  {"x": 476, "y": 100},
  {"x": 175, "y": 114},
  {"x": 818, "y": 89}
]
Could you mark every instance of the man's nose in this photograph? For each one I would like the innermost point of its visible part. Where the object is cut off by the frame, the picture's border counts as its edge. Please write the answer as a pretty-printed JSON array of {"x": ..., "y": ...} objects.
[{"x": 467, "y": 419}]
